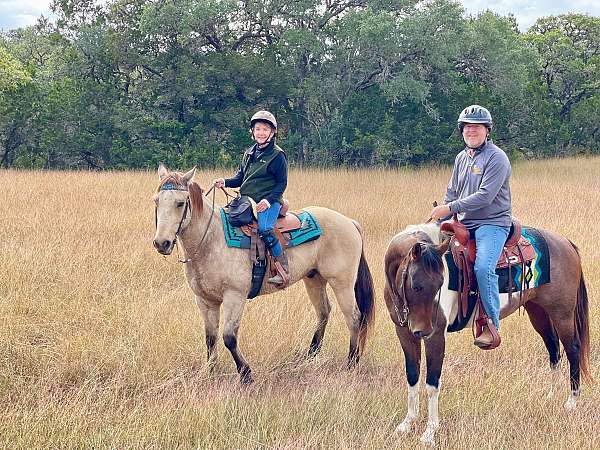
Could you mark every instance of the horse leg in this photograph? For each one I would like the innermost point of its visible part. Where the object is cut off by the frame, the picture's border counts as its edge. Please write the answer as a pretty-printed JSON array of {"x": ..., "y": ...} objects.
[
  {"x": 541, "y": 322},
  {"x": 344, "y": 293},
  {"x": 565, "y": 328},
  {"x": 210, "y": 313},
  {"x": 435, "y": 348},
  {"x": 317, "y": 292},
  {"x": 411, "y": 346},
  {"x": 233, "y": 308}
]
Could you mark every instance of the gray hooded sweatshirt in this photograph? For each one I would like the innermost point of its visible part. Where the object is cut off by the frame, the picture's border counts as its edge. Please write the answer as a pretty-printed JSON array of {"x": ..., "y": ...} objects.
[{"x": 479, "y": 190}]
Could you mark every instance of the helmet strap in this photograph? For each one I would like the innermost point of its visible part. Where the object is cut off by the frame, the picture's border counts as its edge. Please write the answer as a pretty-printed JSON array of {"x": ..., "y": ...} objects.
[{"x": 268, "y": 141}]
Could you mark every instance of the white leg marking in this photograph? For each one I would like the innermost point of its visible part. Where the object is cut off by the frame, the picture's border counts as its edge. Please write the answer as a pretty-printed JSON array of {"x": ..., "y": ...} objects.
[
  {"x": 413, "y": 409},
  {"x": 571, "y": 402},
  {"x": 433, "y": 422}
]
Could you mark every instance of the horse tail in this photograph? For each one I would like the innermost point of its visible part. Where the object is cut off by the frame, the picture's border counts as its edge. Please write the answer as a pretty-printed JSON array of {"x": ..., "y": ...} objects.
[
  {"x": 364, "y": 293},
  {"x": 582, "y": 327}
]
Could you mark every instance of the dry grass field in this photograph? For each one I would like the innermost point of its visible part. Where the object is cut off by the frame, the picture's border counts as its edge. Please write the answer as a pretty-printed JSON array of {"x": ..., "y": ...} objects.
[{"x": 101, "y": 345}]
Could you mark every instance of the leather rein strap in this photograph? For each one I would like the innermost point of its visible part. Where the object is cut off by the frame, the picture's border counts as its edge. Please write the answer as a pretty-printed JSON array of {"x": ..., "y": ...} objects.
[{"x": 403, "y": 319}]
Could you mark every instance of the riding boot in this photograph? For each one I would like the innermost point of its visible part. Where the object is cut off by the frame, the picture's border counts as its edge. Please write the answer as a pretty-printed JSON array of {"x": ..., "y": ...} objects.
[
  {"x": 282, "y": 278},
  {"x": 485, "y": 339},
  {"x": 488, "y": 340}
]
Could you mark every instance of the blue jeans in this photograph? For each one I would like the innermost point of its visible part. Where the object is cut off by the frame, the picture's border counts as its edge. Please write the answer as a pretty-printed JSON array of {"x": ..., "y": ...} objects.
[
  {"x": 266, "y": 222},
  {"x": 490, "y": 241}
]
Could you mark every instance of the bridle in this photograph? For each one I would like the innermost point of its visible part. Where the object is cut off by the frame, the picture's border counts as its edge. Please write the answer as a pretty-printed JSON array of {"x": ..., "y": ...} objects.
[
  {"x": 173, "y": 187},
  {"x": 403, "y": 317}
]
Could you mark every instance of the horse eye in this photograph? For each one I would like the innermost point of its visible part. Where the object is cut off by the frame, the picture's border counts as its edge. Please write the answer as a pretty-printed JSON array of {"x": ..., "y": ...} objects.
[
  {"x": 180, "y": 204},
  {"x": 417, "y": 288}
]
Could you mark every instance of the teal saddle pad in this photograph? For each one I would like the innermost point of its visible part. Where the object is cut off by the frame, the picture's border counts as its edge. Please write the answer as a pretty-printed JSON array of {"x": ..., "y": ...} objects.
[{"x": 309, "y": 231}]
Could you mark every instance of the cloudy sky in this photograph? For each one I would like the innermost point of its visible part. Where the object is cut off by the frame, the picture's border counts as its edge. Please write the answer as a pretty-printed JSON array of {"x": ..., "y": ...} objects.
[{"x": 18, "y": 13}]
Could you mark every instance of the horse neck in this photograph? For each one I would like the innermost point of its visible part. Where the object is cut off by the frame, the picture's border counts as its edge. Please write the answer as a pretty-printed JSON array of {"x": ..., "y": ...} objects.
[{"x": 193, "y": 238}]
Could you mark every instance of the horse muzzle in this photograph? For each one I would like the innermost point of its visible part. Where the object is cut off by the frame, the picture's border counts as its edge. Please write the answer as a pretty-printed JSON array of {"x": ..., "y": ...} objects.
[
  {"x": 164, "y": 247},
  {"x": 424, "y": 333}
]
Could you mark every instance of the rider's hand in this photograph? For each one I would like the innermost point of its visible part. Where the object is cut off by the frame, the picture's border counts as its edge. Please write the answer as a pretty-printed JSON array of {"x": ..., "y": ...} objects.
[
  {"x": 440, "y": 212},
  {"x": 219, "y": 183},
  {"x": 262, "y": 205}
]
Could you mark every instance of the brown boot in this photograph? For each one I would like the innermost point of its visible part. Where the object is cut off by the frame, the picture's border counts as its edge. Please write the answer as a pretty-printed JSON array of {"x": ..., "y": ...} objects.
[
  {"x": 485, "y": 339},
  {"x": 282, "y": 278}
]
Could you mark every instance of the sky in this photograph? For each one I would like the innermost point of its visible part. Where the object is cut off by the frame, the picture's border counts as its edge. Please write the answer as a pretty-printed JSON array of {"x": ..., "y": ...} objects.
[{"x": 19, "y": 13}]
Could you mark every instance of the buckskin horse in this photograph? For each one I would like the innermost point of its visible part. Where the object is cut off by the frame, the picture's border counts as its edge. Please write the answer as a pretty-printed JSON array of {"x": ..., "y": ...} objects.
[
  {"x": 220, "y": 276},
  {"x": 421, "y": 306}
]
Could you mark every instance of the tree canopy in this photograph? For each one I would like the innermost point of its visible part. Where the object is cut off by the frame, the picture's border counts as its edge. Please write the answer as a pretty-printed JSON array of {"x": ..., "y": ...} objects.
[{"x": 129, "y": 83}]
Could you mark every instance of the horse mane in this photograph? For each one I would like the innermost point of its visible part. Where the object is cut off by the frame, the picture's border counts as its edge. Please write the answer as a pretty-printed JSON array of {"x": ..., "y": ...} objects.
[
  {"x": 196, "y": 194},
  {"x": 430, "y": 229},
  {"x": 194, "y": 189},
  {"x": 431, "y": 259}
]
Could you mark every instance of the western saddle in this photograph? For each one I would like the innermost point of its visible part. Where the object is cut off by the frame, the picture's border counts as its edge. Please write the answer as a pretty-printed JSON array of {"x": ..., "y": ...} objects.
[{"x": 517, "y": 251}]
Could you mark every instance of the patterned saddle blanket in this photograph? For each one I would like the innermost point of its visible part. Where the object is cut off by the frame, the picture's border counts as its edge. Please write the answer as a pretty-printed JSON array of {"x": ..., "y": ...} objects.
[{"x": 291, "y": 231}]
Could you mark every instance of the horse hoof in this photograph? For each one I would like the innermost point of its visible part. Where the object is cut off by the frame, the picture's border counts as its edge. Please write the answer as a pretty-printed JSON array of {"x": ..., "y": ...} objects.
[
  {"x": 427, "y": 440},
  {"x": 352, "y": 364},
  {"x": 404, "y": 427},
  {"x": 428, "y": 436},
  {"x": 246, "y": 379},
  {"x": 570, "y": 404}
]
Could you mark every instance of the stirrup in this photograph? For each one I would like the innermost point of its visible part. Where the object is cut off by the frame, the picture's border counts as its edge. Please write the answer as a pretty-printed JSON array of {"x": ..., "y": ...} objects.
[
  {"x": 282, "y": 278},
  {"x": 482, "y": 324}
]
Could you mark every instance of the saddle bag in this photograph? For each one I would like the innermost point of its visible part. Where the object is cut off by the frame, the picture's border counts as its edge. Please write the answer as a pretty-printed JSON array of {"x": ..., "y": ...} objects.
[{"x": 240, "y": 211}]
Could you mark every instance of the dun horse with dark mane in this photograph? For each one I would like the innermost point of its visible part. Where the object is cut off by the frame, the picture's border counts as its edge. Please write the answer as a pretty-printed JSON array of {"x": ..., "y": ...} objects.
[
  {"x": 220, "y": 276},
  {"x": 422, "y": 307}
]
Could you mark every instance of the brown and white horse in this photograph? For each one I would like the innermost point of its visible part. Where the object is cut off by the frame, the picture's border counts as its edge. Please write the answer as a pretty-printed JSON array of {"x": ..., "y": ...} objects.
[
  {"x": 220, "y": 276},
  {"x": 421, "y": 307}
]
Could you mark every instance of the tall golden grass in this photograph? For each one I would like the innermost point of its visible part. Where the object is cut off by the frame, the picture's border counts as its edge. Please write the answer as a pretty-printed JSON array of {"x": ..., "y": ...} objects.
[{"x": 101, "y": 344}]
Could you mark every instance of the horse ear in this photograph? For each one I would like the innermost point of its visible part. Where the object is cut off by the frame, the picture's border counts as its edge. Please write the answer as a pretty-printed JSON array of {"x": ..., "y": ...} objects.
[
  {"x": 415, "y": 251},
  {"x": 189, "y": 175},
  {"x": 162, "y": 171},
  {"x": 443, "y": 247}
]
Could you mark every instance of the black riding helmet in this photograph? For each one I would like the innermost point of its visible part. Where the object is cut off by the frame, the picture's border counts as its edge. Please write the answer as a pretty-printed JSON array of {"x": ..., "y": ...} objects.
[{"x": 475, "y": 114}]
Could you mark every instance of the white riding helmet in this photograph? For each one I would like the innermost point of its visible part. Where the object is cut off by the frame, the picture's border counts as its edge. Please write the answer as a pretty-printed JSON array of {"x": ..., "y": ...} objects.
[{"x": 264, "y": 116}]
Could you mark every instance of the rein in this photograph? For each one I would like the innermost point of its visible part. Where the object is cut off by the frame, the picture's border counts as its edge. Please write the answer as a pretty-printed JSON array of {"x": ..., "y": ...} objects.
[
  {"x": 403, "y": 319},
  {"x": 212, "y": 189}
]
